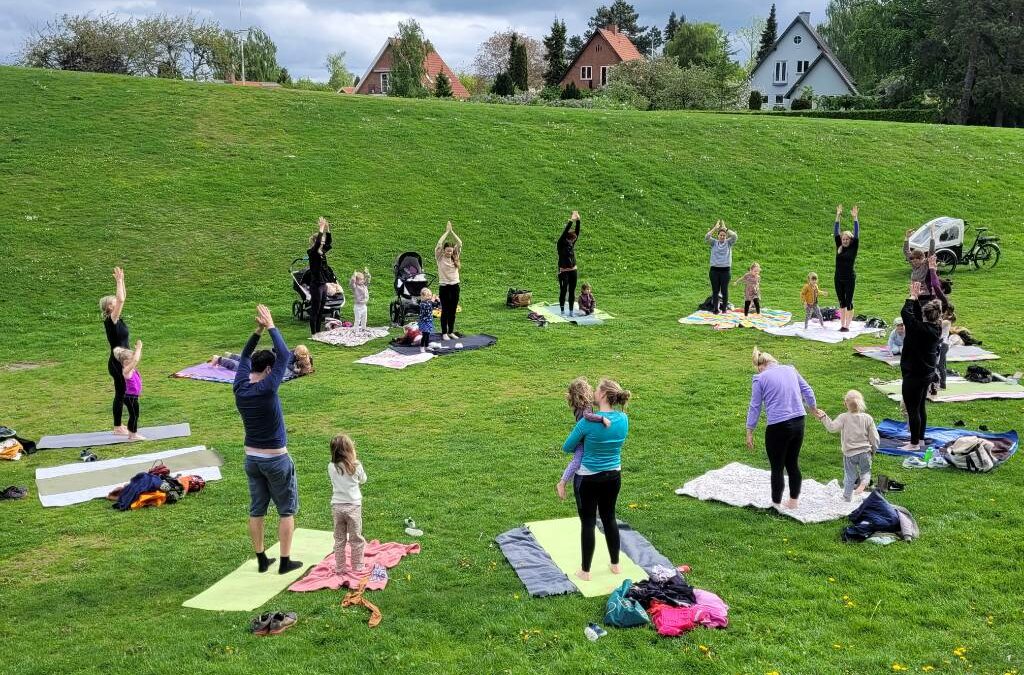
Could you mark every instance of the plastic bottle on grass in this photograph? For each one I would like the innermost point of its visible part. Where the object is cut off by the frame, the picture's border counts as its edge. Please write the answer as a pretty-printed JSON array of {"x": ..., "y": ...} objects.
[{"x": 929, "y": 451}]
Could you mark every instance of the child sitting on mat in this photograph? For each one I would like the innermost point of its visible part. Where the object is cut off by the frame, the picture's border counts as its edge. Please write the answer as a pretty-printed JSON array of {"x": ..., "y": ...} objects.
[
  {"x": 426, "y": 321},
  {"x": 581, "y": 399},
  {"x": 810, "y": 294},
  {"x": 751, "y": 289},
  {"x": 859, "y": 440},
  {"x": 899, "y": 332},
  {"x": 347, "y": 474},
  {"x": 360, "y": 283},
  {"x": 300, "y": 361},
  {"x": 586, "y": 301},
  {"x": 129, "y": 361}
]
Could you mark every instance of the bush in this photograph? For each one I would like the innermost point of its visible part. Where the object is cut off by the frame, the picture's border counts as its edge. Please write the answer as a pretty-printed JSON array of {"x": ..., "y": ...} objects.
[
  {"x": 552, "y": 92},
  {"x": 503, "y": 85},
  {"x": 307, "y": 84},
  {"x": 571, "y": 92},
  {"x": 755, "y": 100},
  {"x": 800, "y": 104},
  {"x": 848, "y": 102},
  {"x": 920, "y": 115}
]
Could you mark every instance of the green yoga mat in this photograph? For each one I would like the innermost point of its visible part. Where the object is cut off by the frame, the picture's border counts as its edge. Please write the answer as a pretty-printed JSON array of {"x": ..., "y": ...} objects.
[
  {"x": 958, "y": 389},
  {"x": 561, "y": 540},
  {"x": 245, "y": 589}
]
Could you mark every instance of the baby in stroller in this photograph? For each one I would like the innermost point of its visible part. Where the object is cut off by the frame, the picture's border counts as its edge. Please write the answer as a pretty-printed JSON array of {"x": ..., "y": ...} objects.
[{"x": 410, "y": 280}]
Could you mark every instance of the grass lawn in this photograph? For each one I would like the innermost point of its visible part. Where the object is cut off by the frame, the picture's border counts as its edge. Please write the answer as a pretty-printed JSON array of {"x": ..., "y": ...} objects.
[{"x": 205, "y": 193}]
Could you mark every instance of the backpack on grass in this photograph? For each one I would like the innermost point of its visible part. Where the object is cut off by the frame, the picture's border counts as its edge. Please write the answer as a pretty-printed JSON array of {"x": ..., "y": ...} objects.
[
  {"x": 971, "y": 453},
  {"x": 518, "y": 297}
]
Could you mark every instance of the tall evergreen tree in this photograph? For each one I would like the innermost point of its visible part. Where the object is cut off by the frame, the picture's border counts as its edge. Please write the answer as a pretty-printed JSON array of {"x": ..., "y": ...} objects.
[
  {"x": 573, "y": 47},
  {"x": 554, "y": 53},
  {"x": 768, "y": 36},
  {"x": 518, "y": 66},
  {"x": 625, "y": 16},
  {"x": 503, "y": 85},
  {"x": 671, "y": 26}
]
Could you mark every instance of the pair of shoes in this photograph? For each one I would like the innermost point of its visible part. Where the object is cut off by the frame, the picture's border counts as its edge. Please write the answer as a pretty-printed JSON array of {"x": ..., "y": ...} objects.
[
  {"x": 273, "y": 623},
  {"x": 411, "y": 529},
  {"x": 896, "y": 486},
  {"x": 914, "y": 463},
  {"x": 958, "y": 423},
  {"x": 14, "y": 492},
  {"x": 87, "y": 456},
  {"x": 937, "y": 462}
]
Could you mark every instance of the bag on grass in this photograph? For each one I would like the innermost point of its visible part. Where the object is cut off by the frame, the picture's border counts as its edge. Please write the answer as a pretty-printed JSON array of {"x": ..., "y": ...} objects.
[
  {"x": 518, "y": 297},
  {"x": 979, "y": 374},
  {"x": 708, "y": 305},
  {"x": 623, "y": 612},
  {"x": 971, "y": 453},
  {"x": 829, "y": 313}
]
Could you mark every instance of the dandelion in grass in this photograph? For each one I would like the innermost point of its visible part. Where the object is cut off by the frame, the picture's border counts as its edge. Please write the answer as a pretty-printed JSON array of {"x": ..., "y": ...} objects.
[
  {"x": 898, "y": 667},
  {"x": 960, "y": 652},
  {"x": 927, "y": 668}
]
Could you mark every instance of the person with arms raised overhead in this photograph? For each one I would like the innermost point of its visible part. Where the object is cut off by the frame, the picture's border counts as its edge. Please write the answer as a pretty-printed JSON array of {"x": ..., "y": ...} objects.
[
  {"x": 847, "y": 243},
  {"x": 567, "y": 272},
  {"x": 720, "y": 239},
  {"x": 268, "y": 465}
]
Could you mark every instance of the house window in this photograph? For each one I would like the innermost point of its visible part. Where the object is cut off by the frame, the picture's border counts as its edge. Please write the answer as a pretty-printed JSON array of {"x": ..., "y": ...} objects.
[
  {"x": 597, "y": 47},
  {"x": 802, "y": 67},
  {"x": 385, "y": 82},
  {"x": 780, "y": 72},
  {"x": 587, "y": 73},
  {"x": 778, "y": 98},
  {"x": 764, "y": 99},
  {"x": 797, "y": 39},
  {"x": 604, "y": 75}
]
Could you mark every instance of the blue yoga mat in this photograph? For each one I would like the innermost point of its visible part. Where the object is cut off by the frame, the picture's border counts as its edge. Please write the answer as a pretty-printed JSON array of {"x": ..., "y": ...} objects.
[{"x": 899, "y": 432}]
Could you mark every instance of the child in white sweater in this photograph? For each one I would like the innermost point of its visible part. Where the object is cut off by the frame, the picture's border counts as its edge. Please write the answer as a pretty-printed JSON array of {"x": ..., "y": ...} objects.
[
  {"x": 859, "y": 441},
  {"x": 347, "y": 475}
]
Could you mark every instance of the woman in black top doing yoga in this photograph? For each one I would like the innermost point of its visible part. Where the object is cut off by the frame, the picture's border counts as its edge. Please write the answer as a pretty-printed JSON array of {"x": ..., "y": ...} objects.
[
  {"x": 117, "y": 336},
  {"x": 847, "y": 243},
  {"x": 320, "y": 274},
  {"x": 919, "y": 359},
  {"x": 567, "y": 263}
]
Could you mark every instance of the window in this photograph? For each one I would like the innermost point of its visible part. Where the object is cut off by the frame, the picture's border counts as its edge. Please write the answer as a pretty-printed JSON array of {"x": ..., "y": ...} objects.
[
  {"x": 802, "y": 67},
  {"x": 948, "y": 235},
  {"x": 764, "y": 99},
  {"x": 587, "y": 73},
  {"x": 780, "y": 72},
  {"x": 604, "y": 75},
  {"x": 597, "y": 47},
  {"x": 797, "y": 39},
  {"x": 385, "y": 81},
  {"x": 778, "y": 98}
]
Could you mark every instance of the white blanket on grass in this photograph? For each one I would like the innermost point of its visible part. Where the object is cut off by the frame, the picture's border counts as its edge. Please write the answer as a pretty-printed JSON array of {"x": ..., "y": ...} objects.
[
  {"x": 389, "y": 358},
  {"x": 830, "y": 333},
  {"x": 737, "y": 484},
  {"x": 349, "y": 336}
]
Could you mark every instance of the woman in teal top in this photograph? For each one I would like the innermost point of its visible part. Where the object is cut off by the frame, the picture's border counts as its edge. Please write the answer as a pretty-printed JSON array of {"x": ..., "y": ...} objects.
[{"x": 599, "y": 478}]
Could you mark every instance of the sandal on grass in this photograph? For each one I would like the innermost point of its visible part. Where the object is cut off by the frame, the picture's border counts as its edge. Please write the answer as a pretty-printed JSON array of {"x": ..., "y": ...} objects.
[
  {"x": 411, "y": 529},
  {"x": 281, "y": 621}
]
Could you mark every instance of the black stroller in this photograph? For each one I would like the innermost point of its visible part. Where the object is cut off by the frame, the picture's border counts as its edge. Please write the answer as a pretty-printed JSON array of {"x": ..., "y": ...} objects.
[
  {"x": 410, "y": 280},
  {"x": 300, "y": 282}
]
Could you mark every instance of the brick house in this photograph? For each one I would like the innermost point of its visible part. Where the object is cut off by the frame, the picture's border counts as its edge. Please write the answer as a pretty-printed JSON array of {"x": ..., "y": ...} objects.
[
  {"x": 375, "y": 80},
  {"x": 607, "y": 47}
]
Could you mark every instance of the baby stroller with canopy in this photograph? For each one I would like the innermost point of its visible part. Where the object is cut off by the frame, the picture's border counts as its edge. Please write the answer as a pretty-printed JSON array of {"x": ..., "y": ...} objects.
[
  {"x": 410, "y": 280},
  {"x": 300, "y": 282}
]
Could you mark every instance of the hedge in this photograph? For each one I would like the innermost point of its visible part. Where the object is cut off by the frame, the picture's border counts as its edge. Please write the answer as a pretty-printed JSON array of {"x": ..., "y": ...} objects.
[{"x": 927, "y": 116}]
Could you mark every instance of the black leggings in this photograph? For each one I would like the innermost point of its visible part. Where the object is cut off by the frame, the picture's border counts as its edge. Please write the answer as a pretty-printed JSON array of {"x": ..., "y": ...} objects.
[
  {"x": 915, "y": 397},
  {"x": 132, "y": 403},
  {"x": 757, "y": 306},
  {"x": 117, "y": 374},
  {"x": 720, "y": 277},
  {"x": 844, "y": 291},
  {"x": 567, "y": 288},
  {"x": 597, "y": 495},
  {"x": 449, "y": 305},
  {"x": 318, "y": 296},
  {"x": 424, "y": 339},
  {"x": 782, "y": 442}
]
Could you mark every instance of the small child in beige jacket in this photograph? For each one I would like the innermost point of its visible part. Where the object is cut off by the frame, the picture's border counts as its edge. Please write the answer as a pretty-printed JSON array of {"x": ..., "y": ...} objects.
[{"x": 859, "y": 441}]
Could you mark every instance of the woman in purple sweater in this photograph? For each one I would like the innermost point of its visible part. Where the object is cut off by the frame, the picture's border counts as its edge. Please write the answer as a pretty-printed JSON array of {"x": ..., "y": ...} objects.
[{"x": 782, "y": 392}]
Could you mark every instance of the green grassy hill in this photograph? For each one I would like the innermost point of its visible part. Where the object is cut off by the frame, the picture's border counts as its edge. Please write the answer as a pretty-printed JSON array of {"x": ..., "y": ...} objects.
[{"x": 205, "y": 193}]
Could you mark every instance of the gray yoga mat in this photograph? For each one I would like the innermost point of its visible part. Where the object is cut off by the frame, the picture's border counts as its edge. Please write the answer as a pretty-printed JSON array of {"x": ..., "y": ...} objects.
[
  {"x": 122, "y": 473},
  {"x": 532, "y": 564},
  {"x": 108, "y": 438},
  {"x": 468, "y": 342}
]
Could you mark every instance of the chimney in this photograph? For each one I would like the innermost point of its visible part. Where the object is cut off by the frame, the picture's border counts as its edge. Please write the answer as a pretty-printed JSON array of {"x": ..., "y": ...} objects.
[
  {"x": 612, "y": 28},
  {"x": 806, "y": 16}
]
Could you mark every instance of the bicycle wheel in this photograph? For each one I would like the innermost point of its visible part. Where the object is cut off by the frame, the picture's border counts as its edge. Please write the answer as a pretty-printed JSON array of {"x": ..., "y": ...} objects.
[
  {"x": 987, "y": 256},
  {"x": 945, "y": 261}
]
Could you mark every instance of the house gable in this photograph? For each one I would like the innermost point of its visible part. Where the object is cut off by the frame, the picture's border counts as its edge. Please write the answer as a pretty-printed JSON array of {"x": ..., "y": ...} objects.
[
  {"x": 607, "y": 47},
  {"x": 374, "y": 80}
]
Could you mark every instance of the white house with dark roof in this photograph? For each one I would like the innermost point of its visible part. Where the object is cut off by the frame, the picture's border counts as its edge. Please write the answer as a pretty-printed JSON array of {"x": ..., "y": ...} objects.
[{"x": 799, "y": 59}]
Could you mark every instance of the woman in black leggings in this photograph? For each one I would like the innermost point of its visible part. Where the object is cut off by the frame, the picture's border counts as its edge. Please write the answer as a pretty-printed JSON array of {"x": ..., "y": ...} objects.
[
  {"x": 720, "y": 239},
  {"x": 919, "y": 360},
  {"x": 320, "y": 274},
  {"x": 847, "y": 243},
  {"x": 117, "y": 336},
  {"x": 567, "y": 263},
  {"x": 448, "y": 254}
]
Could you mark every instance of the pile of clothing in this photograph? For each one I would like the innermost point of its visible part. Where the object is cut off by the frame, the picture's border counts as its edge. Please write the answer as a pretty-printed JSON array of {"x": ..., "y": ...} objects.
[
  {"x": 877, "y": 518},
  {"x": 667, "y": 601},
  {"x": 155, "y": 487},
  {"x": 12, "y": 447}
]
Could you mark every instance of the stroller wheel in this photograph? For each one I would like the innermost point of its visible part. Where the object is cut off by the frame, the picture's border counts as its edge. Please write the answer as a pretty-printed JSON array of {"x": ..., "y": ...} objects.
[
  {"x": 397, "y": 315},
  {"x": 297, "y": 310}
]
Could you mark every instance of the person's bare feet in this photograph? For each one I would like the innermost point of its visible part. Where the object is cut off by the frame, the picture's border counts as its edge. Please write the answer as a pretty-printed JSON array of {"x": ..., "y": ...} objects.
[
  {"x": 137, "y": 437},
  {"x": 910, "y": 446},
  {"x": 583, "y": 575},
  {"x": 792, "y": 504},
  {"x": 616, "y": 569},
  {"x": 860, "y": 488},
  {"x": 120, "y": 431}
]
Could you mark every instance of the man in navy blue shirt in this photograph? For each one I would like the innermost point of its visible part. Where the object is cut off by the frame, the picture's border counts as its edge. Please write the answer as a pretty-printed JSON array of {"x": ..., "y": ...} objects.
[{"x": 268, "y": 465}]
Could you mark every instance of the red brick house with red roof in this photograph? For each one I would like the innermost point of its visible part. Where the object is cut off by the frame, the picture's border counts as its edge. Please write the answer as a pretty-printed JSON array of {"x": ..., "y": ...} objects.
[
  {"x": 375, "y": 80},
  {"x": 607, "y": 47}
]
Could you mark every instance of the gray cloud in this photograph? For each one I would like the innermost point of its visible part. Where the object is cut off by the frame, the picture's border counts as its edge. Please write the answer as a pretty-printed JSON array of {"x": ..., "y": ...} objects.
[{"x": 305, "y": 31}]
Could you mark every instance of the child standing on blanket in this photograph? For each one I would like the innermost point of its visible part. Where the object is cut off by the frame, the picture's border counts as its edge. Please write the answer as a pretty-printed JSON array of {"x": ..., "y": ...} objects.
[
  {"x": 129, "y": 361},
  {"x": 899, "y": 332},
  {"x": 858, "y": 437},
  {"x": 586, "y": 300},
  {"x": 810, "y": 294},
  {"x": 426, "y": 319},
  {"x": 347, "y": 474},
  {"x": 581, "y": 399},
  {"x": 751, "y": 289},
  {"x": 360, "y": 283}
]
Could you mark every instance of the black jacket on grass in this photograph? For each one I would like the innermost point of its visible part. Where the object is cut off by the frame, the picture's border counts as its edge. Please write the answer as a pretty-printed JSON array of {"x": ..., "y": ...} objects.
[{"x": 920, "y": 354}]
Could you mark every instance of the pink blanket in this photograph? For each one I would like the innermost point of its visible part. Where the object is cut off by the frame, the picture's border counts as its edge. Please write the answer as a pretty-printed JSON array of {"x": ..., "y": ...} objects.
[
  {"x": 386, "y": 555},
  {"x": 715, "y": 612}
]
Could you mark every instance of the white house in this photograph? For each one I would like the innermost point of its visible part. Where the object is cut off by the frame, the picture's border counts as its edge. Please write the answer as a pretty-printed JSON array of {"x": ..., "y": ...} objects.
[{"x": 799, "y": 59}]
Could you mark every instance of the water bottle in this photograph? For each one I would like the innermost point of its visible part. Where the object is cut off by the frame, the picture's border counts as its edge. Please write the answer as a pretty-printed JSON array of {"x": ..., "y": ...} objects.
[
  {"x": 929, "y": 451},
  {"x": 591, "y": 634}
]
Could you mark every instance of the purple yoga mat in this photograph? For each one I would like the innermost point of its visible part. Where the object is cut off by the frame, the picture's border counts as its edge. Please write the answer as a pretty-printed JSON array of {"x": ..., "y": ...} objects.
[{"x": 208, "y": 373}]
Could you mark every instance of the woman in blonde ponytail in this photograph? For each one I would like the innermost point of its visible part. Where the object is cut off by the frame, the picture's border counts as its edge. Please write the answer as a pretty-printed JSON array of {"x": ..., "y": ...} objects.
[
  {"x": 599, "y": 477},
  {"x": 782, "y": 392}
]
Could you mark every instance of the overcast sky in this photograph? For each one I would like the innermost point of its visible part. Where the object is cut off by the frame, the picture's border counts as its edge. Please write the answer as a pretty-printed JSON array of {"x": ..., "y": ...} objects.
[{"x": 305, "y": 31}]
